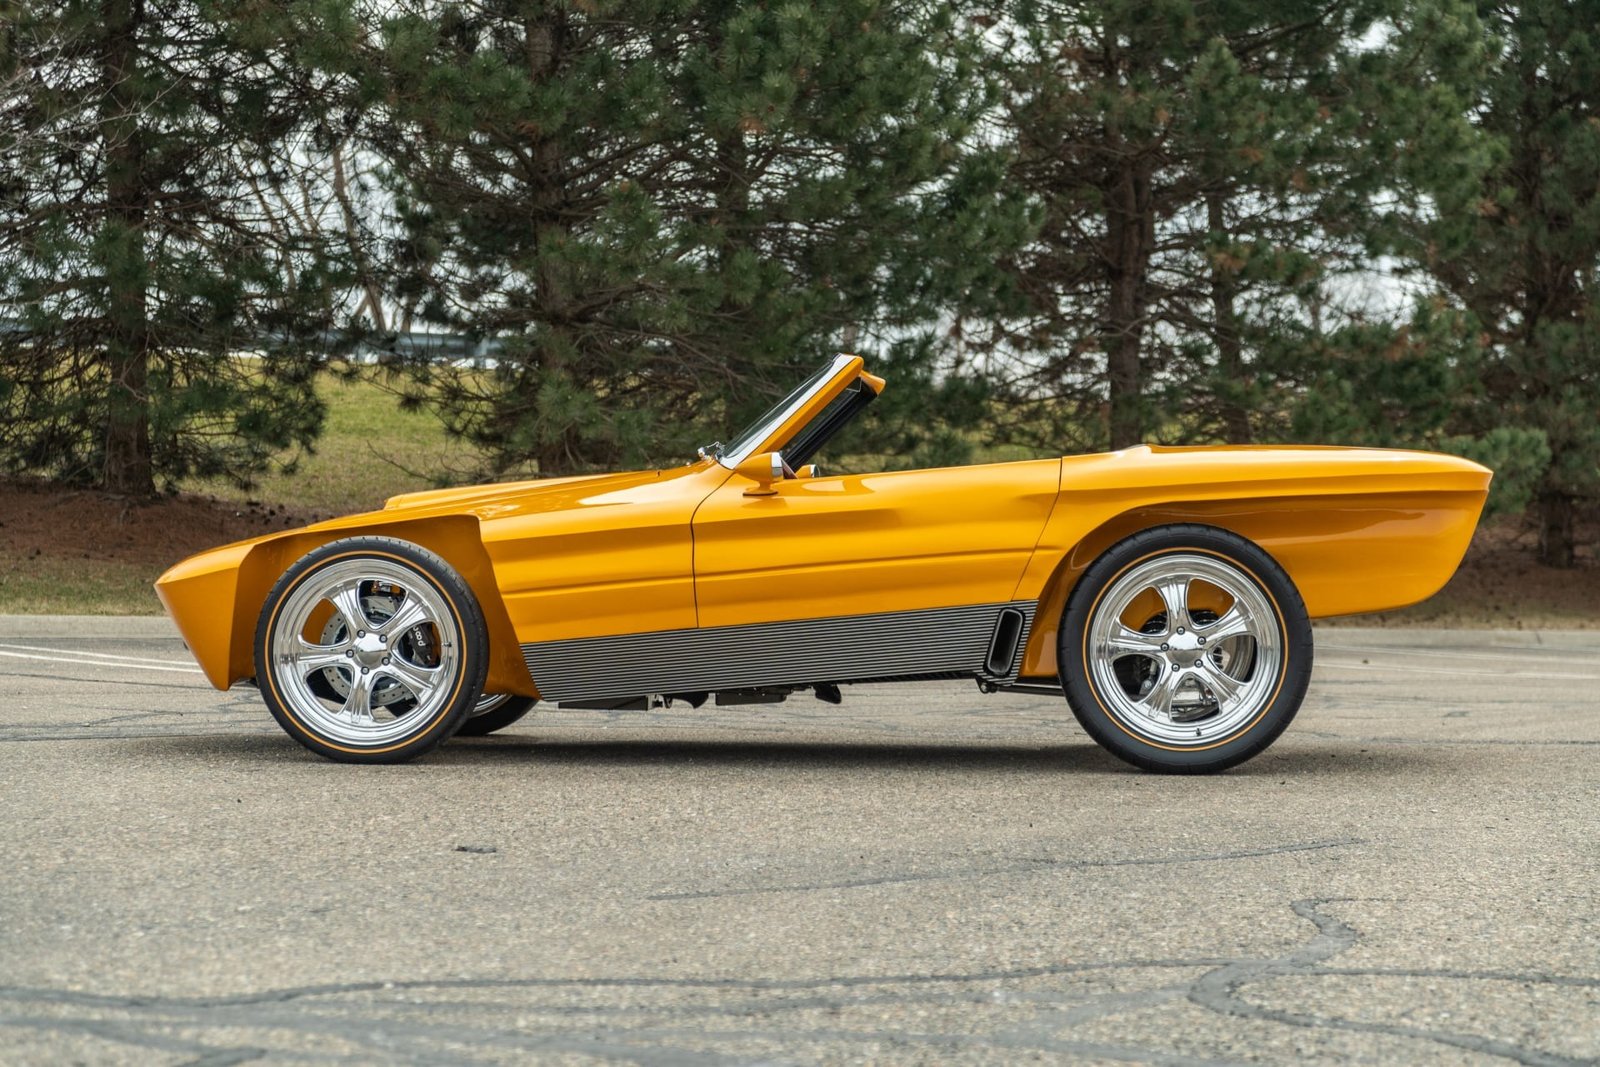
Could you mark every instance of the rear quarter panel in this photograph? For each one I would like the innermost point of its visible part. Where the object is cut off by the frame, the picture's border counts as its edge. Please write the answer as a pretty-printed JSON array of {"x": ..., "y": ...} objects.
[{"x": 1357, "y": 530}]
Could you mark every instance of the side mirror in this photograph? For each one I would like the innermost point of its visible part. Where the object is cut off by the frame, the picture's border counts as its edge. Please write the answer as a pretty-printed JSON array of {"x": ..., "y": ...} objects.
[
  {"x": 765, "y": 469},
  {"x": 810, "y": 470}
]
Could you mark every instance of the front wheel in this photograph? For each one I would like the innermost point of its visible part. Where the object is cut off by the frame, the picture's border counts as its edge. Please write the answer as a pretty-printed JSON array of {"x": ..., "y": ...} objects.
[
  {"x": 371, "y": 650},
  {"x": 1185, "y": 649}
]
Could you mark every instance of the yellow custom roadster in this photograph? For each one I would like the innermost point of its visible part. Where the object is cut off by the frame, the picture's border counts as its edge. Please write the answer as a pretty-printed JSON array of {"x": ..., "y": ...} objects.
[{"x": 1166, "y": 592}]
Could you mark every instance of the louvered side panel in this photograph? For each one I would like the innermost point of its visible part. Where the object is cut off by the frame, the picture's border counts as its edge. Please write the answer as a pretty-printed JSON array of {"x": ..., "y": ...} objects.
[{"x": 845, "y": 649}]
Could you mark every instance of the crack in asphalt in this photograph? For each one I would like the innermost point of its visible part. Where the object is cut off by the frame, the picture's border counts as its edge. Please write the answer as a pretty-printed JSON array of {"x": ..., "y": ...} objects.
[
  {"x": 1219, "y": 991},
  {"x": 404, "y": 1027},
  {"x": 227, "y": 1057},
  {"x": 334, "y": 989},
  {"x": 1025, "y": 867},
  {"x": 1446, "y": 972}
]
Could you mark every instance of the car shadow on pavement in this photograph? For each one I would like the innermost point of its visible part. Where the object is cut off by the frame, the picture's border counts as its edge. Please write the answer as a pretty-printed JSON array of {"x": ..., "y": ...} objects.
[
  {"x": 811, "y": 755},
  {"x": 1318, "y": 758}
]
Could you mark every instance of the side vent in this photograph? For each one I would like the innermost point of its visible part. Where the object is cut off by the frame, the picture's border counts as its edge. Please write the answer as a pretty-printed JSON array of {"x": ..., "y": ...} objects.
[{"x": 1003, "y": 646}]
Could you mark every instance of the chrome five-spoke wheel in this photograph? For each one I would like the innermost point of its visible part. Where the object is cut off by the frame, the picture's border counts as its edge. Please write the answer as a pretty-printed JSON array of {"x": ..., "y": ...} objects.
[
  {"x": 371, "y": 650},
  {"x": 1183, "y": 671},
  {"x": 1185, "y": 648}
]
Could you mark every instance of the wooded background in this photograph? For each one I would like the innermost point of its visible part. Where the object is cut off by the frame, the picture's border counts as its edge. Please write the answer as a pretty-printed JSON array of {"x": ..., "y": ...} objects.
[{"x": 1056, "y": 227}]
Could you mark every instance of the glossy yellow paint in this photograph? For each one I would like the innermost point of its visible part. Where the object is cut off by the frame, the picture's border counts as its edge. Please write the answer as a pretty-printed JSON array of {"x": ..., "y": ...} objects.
[
  {"x": 1356, "y": 529},
  {"x": 858, "y": 544},
  {"x": 216, "y": 597},
  {"x": 611, "y": 555},
  {"x": 201, "y": 594}
]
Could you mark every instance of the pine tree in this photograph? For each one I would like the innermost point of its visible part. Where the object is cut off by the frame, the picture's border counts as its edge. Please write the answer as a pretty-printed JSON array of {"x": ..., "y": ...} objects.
[
  {"x": 1520, "y": 250},
  {"x": 1206, "y": 174},
  {"x": 660, "y": 213},
  {"x": 146, "y": 152}
]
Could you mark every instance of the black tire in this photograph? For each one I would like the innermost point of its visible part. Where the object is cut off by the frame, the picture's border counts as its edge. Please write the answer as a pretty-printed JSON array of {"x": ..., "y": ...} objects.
[
  {"x": 403, "y": 682},
  {"x": 494, "y": 711},
  {"x": 1165, "y": 696}
]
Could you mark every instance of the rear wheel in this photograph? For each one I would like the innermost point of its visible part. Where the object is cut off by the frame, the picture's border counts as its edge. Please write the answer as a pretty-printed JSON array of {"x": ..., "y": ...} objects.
[
  {"x": 371, "y": 650},
  {"x": 1185, "y": 649},
  {"x": 494, "y": 711}
]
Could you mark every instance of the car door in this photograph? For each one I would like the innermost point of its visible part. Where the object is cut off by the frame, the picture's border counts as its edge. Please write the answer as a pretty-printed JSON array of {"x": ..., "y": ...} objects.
[{"x": 893, "y": 543}]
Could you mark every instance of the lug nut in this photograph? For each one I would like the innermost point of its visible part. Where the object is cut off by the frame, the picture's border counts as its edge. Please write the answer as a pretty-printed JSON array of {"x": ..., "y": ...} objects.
[
  {"x": 383, "y": 639},
  {"x": 1164, "y": 647},
  {"x": 386, "y": 661},
  {"x": 1180, "y": 629},
  {"x": 1201, "y": 640},
  {"x": 349, "y": 652},
  {"x": 363, "y": 670}
]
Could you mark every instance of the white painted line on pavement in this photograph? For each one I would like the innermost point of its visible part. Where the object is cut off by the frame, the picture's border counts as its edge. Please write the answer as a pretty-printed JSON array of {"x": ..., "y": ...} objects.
[
  {"x": 98, "y": 655},
  {"x": 94, "y": 663}
]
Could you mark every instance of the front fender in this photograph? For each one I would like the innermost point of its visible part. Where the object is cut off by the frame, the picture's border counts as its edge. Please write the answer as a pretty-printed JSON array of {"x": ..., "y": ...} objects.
[{"x": 215, "y": 598}]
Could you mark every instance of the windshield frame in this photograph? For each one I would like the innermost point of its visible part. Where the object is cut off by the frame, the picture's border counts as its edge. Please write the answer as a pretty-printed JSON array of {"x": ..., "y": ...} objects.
[{"x": 751, "y": 439}]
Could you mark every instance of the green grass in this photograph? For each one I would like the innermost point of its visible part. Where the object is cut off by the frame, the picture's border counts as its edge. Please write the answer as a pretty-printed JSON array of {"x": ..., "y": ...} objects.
[
  {"x": 369, "y": 450},
  {"x": 47, "y": 585}
]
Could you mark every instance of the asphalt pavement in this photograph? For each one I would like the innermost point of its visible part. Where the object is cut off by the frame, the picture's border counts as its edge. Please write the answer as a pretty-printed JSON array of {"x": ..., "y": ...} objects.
[{"x": 922, "y": 874}]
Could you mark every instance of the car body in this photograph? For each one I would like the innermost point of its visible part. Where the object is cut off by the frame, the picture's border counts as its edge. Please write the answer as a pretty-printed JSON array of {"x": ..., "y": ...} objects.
[{"x": 737, "y": 574}]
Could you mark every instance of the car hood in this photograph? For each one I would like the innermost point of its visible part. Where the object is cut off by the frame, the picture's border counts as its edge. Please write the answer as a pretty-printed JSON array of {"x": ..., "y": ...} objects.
[
  {"x": 544, "y": 496},
  {"x": 467, "y": 495}
]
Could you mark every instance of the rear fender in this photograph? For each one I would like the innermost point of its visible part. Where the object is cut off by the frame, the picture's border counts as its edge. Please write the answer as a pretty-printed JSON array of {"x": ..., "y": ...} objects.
[{"x": 1346, "y": 554}]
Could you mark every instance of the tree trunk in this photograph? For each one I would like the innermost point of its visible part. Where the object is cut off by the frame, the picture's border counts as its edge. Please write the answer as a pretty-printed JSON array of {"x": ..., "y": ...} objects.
[
  {"x": 1553, "y": 299},
  {"x": 733, "y": 207},
  {"x": 1557, "y": 536},
  {"x": 544, "y": 44},
  {"x": 366, "y": 276},
  {"x": 1130, "y": 232},
  {"x": 127, "y": 464},
  {"x": 1225, "y": 325}
]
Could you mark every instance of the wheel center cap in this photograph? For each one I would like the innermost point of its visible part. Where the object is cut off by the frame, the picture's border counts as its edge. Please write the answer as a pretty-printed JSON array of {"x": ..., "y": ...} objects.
[
  {"x": 370, "y": 650},
  {"x": 1184, "y": 650}
]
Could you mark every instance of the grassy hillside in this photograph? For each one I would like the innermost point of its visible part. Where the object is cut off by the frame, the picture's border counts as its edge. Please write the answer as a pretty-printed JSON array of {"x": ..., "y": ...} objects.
[{"x": 369, "y": 450}]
